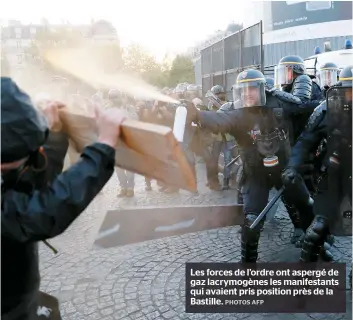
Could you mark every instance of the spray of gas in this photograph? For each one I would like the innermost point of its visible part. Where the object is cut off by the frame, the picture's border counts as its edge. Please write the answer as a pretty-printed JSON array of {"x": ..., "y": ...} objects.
[{"x": 85, "y": 65}]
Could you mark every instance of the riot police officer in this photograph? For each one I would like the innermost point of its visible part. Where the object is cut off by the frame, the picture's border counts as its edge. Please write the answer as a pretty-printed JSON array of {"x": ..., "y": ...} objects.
[
  {"x": 216, "y": 97},
  {"x": 260, "y": 129},
  {"x": 331, "y": 120},
  {"x": 290, "y": 75},
  {"x": 328, "y": 76},
  {"x": 219, "y": 91},
  {"x": 297, "y": 87}
]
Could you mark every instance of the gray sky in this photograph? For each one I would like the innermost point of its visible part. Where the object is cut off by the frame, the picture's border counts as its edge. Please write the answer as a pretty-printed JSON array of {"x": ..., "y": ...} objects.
[{"x": 159, "y": 25}]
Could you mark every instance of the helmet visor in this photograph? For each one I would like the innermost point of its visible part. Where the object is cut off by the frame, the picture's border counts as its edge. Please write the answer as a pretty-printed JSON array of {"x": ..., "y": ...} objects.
[
  {"x": 328, "y": 77},
  {"x": 284, "y": 75},
  {"x": 250, "y": 94}
]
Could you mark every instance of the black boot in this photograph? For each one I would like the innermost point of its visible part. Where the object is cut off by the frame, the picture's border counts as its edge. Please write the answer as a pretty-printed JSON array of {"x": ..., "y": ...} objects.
[
  {"x": 250, "y": 239},
  {"x": 314, "y": 239}
]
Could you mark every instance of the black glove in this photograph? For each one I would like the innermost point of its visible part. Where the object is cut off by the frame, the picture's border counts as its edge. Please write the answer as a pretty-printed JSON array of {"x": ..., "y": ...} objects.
[{"x": 288, "y": 176}]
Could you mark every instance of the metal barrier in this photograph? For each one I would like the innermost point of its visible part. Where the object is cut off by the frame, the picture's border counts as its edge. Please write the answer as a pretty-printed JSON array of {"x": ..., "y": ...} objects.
[{"x": 224, "y": 60}]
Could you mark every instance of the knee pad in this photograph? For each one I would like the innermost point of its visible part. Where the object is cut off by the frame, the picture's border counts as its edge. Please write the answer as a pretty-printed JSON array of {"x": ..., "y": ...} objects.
[{"x": 249, "y": 219}]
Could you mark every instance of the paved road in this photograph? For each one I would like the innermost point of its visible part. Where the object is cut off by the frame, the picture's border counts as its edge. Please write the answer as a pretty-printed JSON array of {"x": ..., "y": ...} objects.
[{"x": 146, "y": 280}]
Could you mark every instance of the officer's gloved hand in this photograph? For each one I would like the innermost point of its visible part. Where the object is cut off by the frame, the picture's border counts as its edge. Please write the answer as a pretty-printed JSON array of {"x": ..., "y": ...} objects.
[
  {"x": 288, "y": 176},
  {"x": 268, "y": 88},
  {"x": 193, "y": 112}
]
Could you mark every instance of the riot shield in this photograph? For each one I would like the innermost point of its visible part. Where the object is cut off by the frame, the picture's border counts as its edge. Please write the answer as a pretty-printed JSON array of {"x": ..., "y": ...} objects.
[{"x": 339, "y": 148}]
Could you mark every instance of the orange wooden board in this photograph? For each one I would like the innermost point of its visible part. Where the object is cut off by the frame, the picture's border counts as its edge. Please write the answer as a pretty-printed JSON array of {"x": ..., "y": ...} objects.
[{"x": 147, "y": 149}]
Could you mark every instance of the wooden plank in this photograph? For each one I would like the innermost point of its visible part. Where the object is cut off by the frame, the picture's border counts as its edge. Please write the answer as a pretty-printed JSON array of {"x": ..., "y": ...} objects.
[
  {"x": 147, "y": 149},
  {"x": 123, "y": 227}
]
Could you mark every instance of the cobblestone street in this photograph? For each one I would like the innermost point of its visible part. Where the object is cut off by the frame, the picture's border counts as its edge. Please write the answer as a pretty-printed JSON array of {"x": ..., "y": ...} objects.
[{"x": 146, "y": 280}]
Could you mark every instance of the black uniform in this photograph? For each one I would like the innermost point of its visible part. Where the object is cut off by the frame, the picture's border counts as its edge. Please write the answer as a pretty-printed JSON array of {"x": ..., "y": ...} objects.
[
  {"x": 244, "y": 124},
  {"x": 30, "y": 211},
  {"x": 299, "y": 89},
  {"x": 337, "y": 164}
]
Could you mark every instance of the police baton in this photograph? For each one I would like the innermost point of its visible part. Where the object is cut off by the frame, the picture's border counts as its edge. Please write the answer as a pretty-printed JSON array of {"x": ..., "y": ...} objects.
[
  {"x": 233, "y": 161},
  {"x": 267, "y": 208}
]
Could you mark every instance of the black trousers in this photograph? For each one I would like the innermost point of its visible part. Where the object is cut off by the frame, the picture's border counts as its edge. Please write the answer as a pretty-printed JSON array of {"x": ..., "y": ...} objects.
[
  {"x": 255, "y": 192},
  {"x": 326, "y": 211}
]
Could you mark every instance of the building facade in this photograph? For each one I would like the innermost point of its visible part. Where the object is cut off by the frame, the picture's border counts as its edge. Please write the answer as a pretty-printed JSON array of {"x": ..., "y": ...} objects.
[{"x": 296, "y": 28}]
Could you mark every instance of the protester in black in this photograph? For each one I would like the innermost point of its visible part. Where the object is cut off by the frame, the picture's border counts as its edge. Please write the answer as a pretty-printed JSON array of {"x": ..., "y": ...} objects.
[{"x": 32, "y": 210}]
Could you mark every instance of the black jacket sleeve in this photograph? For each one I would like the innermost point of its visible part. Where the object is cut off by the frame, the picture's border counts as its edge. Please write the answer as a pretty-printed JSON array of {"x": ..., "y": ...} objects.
[
  {"x": 306, "y": 107},
  {"x": 47, "y": 213},
  {"x": 55, "y": 149},
  {"x": 219, "y": 122},
  {"x": 310, "y": 138}
]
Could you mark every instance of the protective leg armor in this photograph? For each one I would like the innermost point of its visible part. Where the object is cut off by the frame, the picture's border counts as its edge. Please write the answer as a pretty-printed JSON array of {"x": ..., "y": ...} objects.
[
  {"x": 295, "y": 218},
  {"x": 314, "y": 239},
  {"x": 250, "y": 239}
]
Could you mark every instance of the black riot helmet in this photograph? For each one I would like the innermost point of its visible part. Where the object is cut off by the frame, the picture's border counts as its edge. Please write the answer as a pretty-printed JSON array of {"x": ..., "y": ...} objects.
[
  {"x": 328, "y": 74},
  {"x": 287, "y": 70},
  {"x": 23, "y": 129},
  {"x": 219, "y": 92},
  {"x": 345, "y": 80},
  {"x": 250, "y": 88},
  {"x": 346, "y": 77}
]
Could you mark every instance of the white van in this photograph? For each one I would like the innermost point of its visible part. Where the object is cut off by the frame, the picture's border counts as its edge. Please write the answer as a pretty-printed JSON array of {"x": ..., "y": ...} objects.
[{"x": 341, "y": 58}]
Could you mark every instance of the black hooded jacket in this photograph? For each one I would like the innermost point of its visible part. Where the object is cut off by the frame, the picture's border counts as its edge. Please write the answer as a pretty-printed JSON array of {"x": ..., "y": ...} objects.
[{"x": 31, "y": 216}]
